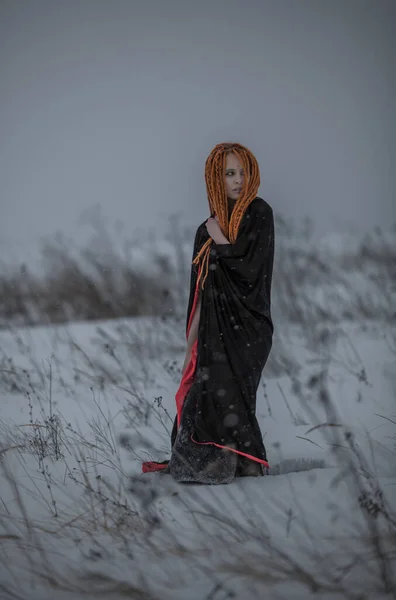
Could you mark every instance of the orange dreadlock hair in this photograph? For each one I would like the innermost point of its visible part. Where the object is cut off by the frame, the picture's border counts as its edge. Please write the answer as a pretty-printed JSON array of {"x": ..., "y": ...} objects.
[{"x": 217, "y": 196}]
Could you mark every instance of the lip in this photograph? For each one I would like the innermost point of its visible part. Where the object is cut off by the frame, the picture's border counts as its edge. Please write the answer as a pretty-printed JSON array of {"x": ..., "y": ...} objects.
[{"x": 237, "y": 190}]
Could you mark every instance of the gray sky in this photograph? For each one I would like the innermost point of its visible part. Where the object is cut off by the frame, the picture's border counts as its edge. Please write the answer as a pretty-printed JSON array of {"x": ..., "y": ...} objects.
[{"x": 117, "y": 103}]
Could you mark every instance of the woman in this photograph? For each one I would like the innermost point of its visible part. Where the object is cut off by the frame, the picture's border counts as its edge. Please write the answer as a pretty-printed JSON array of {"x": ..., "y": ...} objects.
[{"x": 216, "y": 435}]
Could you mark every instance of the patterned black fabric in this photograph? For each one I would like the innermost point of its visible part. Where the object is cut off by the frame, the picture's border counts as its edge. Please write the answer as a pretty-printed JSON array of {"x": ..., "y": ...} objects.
[{"x": 199, "y": 464}]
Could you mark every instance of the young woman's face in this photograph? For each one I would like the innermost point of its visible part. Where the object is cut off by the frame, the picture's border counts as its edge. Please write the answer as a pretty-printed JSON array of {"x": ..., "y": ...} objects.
[{"x": 234, "y": 176}]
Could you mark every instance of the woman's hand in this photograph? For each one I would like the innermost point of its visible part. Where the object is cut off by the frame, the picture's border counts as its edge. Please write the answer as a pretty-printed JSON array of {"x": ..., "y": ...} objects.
[{"x": 214, "y": 230}]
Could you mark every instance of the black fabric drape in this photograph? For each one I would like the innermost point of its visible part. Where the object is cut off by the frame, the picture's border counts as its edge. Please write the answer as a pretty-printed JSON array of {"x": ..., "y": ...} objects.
[{"x": 235, "y": 332}]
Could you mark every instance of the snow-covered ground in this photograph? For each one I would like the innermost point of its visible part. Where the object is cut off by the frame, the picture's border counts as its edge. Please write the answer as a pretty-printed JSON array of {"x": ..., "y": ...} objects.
[{"x": 82, "y": 405}]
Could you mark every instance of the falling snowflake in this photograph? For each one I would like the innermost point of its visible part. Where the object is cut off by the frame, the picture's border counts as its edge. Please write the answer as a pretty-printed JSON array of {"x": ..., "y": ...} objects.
[{"x": 231, "y": 420}]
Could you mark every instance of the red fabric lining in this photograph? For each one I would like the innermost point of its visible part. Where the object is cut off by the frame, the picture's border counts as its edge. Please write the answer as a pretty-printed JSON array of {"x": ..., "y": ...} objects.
[
  {"x": 149, "y": 467},
  {"x": 185, "y": 384},
  {"x": 259, "y": 460},
  {"x": 188, "y": 375}
]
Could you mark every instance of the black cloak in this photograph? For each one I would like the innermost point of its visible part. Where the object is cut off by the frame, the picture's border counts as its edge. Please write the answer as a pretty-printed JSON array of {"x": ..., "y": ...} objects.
[{"x": 234, "y": 342}]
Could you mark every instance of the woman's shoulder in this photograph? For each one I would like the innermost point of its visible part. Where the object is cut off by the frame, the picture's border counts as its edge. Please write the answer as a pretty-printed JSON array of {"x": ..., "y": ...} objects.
[
  {"x": 259, "y": 210},
  {"x": 259, "y": 206},
  {"x": 201, "y": 234},
  {"x": 201, "y": 229}
]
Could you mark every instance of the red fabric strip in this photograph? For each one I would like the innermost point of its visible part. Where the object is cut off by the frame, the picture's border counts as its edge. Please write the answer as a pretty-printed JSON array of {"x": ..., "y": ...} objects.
[
  {"x": 188, "y": 375},
  {"x": 259, "y": 460},
  {"x": 184, "y": 387}
]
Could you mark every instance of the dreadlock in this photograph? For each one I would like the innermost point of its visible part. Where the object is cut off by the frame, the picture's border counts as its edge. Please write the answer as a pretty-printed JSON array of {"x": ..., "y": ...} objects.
[{"x": 217, "y": 196}]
